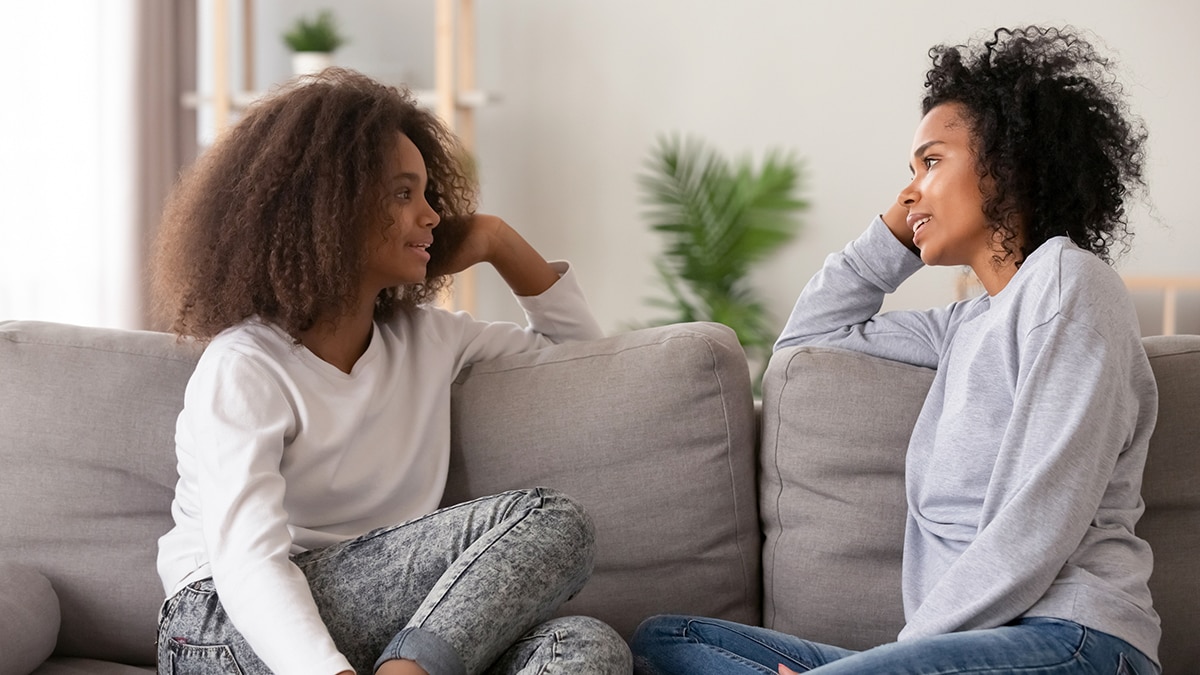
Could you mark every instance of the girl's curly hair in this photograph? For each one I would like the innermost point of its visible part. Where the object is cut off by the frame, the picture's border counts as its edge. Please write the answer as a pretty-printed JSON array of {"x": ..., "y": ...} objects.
[
  {"x": 1053, "y": 138},
  {"x": 272, "y": 219}
]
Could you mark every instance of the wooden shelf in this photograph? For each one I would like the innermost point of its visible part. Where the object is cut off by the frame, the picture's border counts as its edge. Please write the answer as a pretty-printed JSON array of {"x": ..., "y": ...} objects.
[{"x": 240, "y": 100}]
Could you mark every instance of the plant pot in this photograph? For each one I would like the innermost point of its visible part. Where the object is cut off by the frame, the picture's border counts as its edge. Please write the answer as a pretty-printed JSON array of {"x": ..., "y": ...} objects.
[{"x": 310, "y": 63}]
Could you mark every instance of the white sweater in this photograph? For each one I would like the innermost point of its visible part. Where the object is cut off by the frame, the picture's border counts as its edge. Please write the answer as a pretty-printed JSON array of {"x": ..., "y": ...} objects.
[
  {"x": 280, "y": 452},
  {"x": 1024, "y": 470}
]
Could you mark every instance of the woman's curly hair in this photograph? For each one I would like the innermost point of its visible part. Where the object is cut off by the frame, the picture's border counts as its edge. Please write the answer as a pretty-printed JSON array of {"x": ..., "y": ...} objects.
[
  {"x": 272, "y": 219},
  {"x": 1055, "y": 144}
]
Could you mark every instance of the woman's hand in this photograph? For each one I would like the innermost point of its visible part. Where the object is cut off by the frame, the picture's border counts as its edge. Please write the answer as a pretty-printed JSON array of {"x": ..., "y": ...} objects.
[
  {"x": 896, "y": 218},
  {"x": 462, "y": 243}
]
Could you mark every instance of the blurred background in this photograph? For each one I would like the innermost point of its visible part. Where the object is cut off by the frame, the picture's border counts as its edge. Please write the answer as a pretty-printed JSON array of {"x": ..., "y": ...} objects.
[{"x": 108, "y": 100}]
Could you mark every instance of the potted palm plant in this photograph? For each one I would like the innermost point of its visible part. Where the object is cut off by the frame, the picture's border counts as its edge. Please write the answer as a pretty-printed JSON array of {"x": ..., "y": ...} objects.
[
  {"x": 313, "y": 41},
  {"x": 719, "y": 219}
]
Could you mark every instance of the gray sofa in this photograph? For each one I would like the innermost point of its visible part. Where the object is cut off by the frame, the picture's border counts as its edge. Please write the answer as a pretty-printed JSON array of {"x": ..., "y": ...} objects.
[{"x": 791, "y": 518}]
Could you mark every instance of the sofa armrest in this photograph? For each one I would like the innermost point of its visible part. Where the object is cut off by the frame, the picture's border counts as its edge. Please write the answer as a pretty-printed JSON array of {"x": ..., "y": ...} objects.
[
  {"x": 652, "y": 431},
  {"x": 29, "y": 619}
]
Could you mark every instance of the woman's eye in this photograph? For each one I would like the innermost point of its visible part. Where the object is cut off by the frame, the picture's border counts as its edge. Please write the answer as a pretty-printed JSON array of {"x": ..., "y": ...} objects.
[{"x": 930, "y": 161}]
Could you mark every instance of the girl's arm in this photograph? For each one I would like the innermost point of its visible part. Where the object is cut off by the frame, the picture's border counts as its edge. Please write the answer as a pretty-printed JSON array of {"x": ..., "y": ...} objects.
[
  {"x": 488, "y": 239},
  {"x": 234, "y": 424},
  {"x": 554, "y": 305}
]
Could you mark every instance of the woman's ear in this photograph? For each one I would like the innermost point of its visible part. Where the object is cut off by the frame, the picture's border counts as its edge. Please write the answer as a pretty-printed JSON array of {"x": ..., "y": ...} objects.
[{"x": 447, "y": 237}]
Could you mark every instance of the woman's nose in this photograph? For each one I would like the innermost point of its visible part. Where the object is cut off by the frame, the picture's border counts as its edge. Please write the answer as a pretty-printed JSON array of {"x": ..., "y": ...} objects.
[{"x": 908, "y": 196}]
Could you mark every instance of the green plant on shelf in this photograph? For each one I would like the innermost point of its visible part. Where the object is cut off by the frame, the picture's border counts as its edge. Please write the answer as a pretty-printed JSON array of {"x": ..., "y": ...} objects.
[
  {"x": 319, "y": 34},
  {"x": 719, "y": 219}
]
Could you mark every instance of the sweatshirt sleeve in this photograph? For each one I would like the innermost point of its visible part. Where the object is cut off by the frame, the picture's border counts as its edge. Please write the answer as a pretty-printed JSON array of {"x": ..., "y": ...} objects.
[
  {"x": 239, "y": 418},
  {"x": 1075, "y": 409},
  {"x": 840, "y": 305}
]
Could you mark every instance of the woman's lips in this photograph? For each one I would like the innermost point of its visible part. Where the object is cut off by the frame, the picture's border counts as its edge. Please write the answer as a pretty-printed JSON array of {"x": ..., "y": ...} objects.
[{"x": 916, "y": 221}]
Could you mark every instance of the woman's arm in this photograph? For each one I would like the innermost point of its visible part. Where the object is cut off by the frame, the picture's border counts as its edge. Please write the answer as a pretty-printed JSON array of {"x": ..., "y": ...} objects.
[
  {"x": 839, "y": 307},
  {"x": 1081, "y": 400}
]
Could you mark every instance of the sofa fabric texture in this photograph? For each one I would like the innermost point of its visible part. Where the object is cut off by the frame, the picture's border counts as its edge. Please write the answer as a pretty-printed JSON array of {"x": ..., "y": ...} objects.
[
  {"x": 797, "y": 526},
  {"x": 653, "y": 431},
  {"x": 835, "y": 427},
  {"x": 29, "y": 618}
]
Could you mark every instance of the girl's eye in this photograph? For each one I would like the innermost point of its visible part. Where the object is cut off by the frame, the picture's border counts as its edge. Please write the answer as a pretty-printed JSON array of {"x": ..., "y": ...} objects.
[{"x": 403, "y": 195}]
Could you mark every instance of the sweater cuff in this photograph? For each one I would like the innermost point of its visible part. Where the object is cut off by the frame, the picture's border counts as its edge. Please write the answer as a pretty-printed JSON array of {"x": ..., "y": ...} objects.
[{"x": 880, "y": 253}]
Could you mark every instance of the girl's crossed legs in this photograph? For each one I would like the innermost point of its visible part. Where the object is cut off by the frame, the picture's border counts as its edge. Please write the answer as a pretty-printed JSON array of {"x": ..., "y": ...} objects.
[{"x": 458, "y": 590}]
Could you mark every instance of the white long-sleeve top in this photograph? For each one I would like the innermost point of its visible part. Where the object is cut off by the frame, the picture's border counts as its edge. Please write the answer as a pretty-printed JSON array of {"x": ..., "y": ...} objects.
[
  {"x": 280, "y": 452},
  {"x": 1024, "y": 470}
]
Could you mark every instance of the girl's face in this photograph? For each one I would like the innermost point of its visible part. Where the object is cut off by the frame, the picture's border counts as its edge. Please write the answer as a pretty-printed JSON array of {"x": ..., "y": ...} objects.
[
  {"x": 944, "y": 200},
  {"x": 397, "y": 245}
]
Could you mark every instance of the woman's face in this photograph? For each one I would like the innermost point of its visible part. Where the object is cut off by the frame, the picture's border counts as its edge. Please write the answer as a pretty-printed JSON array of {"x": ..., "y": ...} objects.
[
  {"x": 397, "y": 246},
  {"x": 944, "y": 200}
]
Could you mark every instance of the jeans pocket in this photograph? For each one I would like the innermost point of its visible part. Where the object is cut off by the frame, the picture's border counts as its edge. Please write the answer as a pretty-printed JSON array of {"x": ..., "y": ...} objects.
[{"x": 189, "y": 659}]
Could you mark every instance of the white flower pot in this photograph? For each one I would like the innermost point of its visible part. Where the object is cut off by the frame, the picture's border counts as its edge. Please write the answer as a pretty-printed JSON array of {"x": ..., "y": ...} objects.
[{"x": 310, "y": 63}]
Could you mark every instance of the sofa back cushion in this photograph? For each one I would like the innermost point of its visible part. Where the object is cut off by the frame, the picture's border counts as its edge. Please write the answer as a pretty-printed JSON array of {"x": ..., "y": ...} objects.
[
  {"x": 87, "y": 473},
  {"x": 835, "y": 428},
  {"x": 653, "y": 431},
  {"x": 1171, "y": 522}
]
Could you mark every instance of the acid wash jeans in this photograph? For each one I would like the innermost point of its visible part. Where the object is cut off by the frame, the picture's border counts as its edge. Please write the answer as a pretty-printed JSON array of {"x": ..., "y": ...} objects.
[
  {"x": 467, "y": 589},
  {"x": 666, "y": 645}
]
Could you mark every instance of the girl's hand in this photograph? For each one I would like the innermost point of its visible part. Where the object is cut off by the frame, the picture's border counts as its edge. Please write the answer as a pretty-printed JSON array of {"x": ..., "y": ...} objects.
[{"x": 461, "y": 243}]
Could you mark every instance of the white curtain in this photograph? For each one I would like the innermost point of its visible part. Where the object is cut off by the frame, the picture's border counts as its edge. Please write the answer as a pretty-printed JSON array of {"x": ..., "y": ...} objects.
[{"x": 90, "y": 143}]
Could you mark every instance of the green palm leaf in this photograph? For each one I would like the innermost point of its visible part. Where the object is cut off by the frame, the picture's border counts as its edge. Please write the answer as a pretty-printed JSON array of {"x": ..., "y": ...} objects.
[{"x": 718, "y": 218}]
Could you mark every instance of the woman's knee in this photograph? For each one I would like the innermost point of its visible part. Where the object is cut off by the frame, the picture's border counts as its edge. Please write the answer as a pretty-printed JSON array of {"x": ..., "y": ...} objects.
[{"x": 655, "y": 630}]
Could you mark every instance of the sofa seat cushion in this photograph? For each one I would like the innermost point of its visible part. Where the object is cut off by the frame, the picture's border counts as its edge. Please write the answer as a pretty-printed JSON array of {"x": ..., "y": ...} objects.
[
  {"x": 29, "y": 618},
  {"x": 653, "y": 432}
]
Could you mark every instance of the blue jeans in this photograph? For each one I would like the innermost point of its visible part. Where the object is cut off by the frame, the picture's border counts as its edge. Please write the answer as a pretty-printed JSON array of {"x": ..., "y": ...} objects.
[
  {"x": 466, "y": 589},
  {"x": 664, "y": 645}
]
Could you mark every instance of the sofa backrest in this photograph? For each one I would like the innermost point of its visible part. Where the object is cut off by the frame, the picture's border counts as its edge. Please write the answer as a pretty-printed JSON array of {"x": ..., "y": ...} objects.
[
  {"x": 652, "y": 430},
  {"x": 835, "y": 427},
  {"x": 87, "y": 474}
]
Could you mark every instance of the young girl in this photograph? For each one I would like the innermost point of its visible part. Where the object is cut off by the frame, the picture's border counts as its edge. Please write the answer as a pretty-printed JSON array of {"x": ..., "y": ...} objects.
[
  {"x": 1024, "y": 468},
  {"x": 314, "y": 441}
]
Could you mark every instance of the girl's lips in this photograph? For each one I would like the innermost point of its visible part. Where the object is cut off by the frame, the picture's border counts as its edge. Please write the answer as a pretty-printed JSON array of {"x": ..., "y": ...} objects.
[{"x": 421, "y": 250}]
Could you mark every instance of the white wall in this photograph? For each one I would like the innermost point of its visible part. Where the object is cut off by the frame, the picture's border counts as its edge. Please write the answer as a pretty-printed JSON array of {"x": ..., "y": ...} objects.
[
  {"x": 588, "y": 86},
  {"x": 68, "y": 248}
]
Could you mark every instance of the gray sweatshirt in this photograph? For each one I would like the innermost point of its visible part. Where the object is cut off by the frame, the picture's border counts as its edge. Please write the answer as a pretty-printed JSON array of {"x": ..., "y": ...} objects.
[{"x": 1024, "y": 471}]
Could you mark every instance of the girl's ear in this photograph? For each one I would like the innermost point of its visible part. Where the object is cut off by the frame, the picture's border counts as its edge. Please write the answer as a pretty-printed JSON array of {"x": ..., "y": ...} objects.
[{"x": 447, "y": 237}]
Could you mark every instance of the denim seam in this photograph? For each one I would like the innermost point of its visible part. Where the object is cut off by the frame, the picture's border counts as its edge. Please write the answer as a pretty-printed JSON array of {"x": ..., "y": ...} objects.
[
  {"x": 466, "y": 568},
  {"x": 329, "y": 551}
]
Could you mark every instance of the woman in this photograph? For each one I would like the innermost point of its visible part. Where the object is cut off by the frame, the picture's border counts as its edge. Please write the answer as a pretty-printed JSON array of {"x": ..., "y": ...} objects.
[
  {"x": 1024, "y": 468},
  {"x": 314, "y": 441}
]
